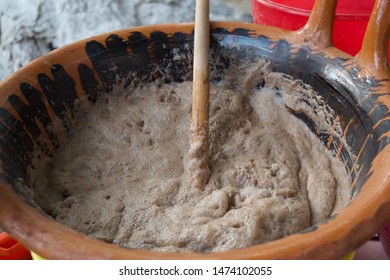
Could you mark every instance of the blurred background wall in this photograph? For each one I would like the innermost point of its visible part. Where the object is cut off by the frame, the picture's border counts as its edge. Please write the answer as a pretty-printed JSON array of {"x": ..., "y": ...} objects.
[{"x": 30, "y": 28}]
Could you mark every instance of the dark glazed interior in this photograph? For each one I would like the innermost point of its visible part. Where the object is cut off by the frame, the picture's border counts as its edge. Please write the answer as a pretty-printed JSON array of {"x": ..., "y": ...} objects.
[
  {"x": 139, "y": 54},
  {"x": 27, "y": 113}
]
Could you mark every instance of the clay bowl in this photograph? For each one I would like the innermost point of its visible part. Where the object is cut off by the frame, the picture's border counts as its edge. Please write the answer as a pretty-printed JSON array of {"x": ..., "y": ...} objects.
[{"x": 357, "y": 88}]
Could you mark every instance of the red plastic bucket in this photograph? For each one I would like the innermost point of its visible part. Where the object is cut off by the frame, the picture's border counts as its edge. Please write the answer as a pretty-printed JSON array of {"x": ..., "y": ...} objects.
[
  {"x": 11, "y": 249},
  {"x": 350, "y": 22}
]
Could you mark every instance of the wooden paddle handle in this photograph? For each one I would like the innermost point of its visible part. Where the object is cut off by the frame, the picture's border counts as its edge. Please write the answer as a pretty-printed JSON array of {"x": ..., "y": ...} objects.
[
  {"x": 198, "y": 153},
  {"x": 201, "y": 85}
]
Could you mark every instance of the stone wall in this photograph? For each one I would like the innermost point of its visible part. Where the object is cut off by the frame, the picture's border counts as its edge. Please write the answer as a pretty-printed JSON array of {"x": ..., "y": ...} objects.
[{"x": 30, "y": 28}]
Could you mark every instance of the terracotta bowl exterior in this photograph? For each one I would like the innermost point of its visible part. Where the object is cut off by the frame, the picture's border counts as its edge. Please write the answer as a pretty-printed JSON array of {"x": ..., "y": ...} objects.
[{"x": 48, "y": 89}]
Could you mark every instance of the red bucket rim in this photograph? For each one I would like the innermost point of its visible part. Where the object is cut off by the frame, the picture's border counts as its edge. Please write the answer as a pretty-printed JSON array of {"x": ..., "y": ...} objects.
[{"x": 306, "y": 12}]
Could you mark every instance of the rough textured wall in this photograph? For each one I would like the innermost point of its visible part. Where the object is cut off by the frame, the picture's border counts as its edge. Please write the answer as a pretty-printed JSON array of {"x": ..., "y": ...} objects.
[{"x": 30, "y": 28}]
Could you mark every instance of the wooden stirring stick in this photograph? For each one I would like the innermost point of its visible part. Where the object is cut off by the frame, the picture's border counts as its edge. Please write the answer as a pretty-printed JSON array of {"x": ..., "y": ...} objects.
[{"x": 198, "y": 154}]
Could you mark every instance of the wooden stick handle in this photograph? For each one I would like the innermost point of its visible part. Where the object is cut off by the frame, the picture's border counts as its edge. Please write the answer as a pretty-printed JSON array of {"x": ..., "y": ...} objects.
[
  {"x": 200, "y": 96},
  {"x": 198, "y": 154}
]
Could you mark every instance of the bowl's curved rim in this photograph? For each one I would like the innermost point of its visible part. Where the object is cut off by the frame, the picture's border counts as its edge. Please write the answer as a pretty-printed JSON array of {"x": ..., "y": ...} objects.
[{"x": 350, "y": 228}]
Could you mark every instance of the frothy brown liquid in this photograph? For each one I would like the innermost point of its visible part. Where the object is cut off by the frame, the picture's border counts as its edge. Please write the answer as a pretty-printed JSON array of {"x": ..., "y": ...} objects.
[{"x": 121, "y": 176}]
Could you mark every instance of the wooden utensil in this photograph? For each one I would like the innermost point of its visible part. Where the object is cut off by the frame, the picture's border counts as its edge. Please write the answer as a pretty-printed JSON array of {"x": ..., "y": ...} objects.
[{"x": 198, "y": 154}]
